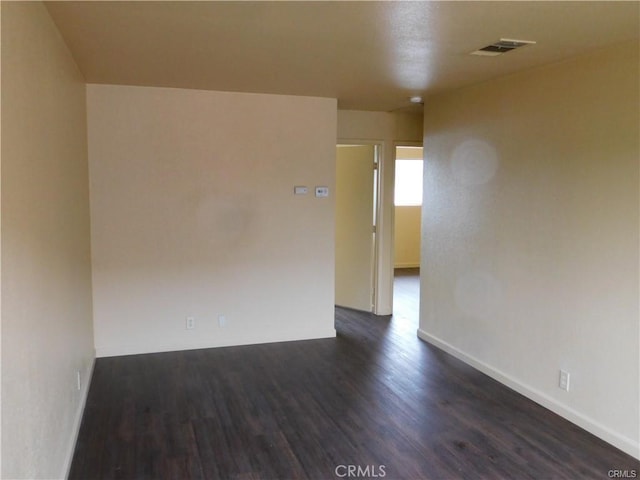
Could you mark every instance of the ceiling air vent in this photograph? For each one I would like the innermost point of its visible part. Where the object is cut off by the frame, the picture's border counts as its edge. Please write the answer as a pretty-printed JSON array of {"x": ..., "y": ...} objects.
[{"x": 501, "y": 46}]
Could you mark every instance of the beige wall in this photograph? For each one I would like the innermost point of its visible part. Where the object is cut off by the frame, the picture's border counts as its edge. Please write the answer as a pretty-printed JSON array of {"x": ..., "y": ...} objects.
[
  {"x": 193, "y": 214},
  {"x": 530, "y": 235},
  {"x": 389, "y": 129},
  {"x": 46, "y": 279},
  {"x": 407, "y": 236}
]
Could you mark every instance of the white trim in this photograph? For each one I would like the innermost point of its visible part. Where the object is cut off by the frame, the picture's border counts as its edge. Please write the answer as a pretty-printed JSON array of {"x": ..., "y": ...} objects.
[
  {"x": 133, "y": 349},
  {"x": 77, "y": 422},
  {"x": 625, "y": 444}
]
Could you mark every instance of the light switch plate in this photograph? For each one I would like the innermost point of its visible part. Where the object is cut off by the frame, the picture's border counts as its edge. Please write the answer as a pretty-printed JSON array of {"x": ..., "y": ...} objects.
[
  {"x": 300, "y": 190},
  {"x": 322, "y": 191}
]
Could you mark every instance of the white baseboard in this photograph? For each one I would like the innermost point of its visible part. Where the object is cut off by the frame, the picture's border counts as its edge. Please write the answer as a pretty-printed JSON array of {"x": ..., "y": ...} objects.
[
  {"x": 625, "y": 444},
  {"x": 77, "y": 421},
  {"x": 120, "y": 350}
]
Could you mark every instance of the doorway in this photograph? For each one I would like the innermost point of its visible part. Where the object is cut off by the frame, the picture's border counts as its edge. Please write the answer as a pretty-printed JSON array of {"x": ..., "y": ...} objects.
[
  {"x": 407, "y": 233},
  {"x": 357, "y": 187}
]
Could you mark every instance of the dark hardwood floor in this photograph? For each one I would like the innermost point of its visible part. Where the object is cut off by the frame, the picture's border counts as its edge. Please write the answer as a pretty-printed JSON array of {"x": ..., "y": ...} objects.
[{"x": 376, "y": 397}]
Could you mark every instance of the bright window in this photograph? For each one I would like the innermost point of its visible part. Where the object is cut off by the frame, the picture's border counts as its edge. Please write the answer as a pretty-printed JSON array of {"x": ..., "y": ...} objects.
[{"x": 408, "y": 191}]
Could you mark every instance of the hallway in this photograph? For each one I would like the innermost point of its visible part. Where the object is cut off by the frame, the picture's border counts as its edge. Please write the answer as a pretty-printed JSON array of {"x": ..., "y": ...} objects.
[{"x": 406, "y": 298}]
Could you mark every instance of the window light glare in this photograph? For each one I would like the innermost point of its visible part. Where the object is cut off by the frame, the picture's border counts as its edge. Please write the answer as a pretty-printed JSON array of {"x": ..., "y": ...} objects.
[{"x": 408, "y": 188}]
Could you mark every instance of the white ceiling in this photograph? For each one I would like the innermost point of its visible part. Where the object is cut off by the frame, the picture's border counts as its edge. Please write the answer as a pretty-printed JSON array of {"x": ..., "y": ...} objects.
[{"x": 369, "y": 55}]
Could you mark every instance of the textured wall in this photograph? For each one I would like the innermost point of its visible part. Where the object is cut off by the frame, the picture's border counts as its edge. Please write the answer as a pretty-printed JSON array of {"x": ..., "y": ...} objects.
[
  {"x": 193, "y": 214},
  {"x": 530, "y": 235},
  {"x": 47, "y": 335}
]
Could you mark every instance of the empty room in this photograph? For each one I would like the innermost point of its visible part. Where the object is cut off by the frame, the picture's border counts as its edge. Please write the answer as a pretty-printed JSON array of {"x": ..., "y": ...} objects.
[{"x": 209, "y": 271}]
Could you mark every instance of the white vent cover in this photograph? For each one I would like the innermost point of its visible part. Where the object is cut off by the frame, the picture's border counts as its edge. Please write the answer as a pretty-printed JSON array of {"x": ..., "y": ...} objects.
[{"x": 501, "y": 46}]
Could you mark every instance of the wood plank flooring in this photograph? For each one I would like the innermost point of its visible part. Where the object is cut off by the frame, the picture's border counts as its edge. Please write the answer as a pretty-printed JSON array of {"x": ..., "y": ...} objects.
[
  {"x": 406, "y": 298},
  {"x": 376, "y": 397}
]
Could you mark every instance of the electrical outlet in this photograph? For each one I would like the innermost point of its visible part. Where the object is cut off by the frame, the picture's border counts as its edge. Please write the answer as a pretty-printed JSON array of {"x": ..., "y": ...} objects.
[
  {"x": 190, "y": 323},
  {"x": 563, "y": 381},
  {"x": 222, "y": 320}
]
